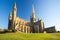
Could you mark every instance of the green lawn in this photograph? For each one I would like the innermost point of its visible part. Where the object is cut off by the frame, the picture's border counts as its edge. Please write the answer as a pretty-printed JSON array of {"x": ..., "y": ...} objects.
[{"x": 30, "y": 36}]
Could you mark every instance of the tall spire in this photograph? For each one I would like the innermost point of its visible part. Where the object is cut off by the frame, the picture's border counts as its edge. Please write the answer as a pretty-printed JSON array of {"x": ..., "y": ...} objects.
[
  {"x": 33, "y": 17},
  {"x": 14, "y": 16},
  {"x": 14, "y": 5},
  {"x": 33, "y": 12},
  {"x": 14, "y": 11}
]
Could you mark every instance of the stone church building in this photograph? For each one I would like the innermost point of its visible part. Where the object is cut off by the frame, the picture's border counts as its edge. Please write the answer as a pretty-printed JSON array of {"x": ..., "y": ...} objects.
[{"x": 21, "y": 25}]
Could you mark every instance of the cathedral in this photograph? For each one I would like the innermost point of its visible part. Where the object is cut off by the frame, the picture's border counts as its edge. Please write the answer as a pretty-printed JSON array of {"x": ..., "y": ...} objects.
[{"x": 21, "y": 25}]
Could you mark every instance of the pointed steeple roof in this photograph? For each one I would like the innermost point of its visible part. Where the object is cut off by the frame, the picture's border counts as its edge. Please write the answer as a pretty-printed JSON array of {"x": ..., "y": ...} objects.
[
  {"x": 33, "y": 12},
  {"x": 14, "y": 5}
]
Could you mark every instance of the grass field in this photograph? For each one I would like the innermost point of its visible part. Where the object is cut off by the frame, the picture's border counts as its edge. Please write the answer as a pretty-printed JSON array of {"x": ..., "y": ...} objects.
[{"x": 30, "y": 36}]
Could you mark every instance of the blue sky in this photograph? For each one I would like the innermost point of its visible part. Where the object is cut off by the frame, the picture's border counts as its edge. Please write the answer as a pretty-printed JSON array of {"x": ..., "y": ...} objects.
[{"x": 47, "y": 10}]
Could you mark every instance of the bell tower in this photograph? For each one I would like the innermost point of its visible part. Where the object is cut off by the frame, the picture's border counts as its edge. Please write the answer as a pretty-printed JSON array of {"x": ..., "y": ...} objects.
[
  {"x": 14, "y": 12},
  {"x": 14, "y": 16},
  {"x": 32, "y": 20}
]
